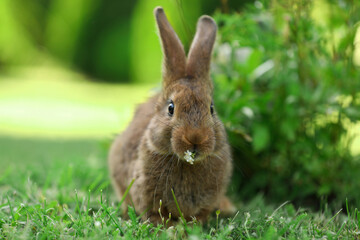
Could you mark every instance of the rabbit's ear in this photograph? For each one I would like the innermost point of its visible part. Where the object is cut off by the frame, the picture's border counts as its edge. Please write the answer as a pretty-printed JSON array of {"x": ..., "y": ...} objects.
[
  {"x": 174, "y": 62},
  {"x": 199, "y": 57}
]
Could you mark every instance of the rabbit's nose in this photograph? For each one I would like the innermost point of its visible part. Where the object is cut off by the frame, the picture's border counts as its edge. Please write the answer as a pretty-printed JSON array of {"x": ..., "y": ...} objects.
[{"x": 195, "y": 138}]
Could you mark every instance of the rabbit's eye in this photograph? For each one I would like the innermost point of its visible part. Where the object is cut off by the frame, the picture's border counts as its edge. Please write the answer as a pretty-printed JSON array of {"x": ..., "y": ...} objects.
[
  {"x": 212, "y": 109},
  {"x": 171, "y": 109}
]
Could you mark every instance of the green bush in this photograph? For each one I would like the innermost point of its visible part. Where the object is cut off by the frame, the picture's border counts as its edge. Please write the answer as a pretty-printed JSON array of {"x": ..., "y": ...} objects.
[{"x": 287, "y": 91}]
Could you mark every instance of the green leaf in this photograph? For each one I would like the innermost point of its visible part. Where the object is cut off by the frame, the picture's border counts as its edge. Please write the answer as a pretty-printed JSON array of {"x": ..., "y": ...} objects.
[
  {"x": 261, "y": 137},
  {"x": 288, "y": 128}
]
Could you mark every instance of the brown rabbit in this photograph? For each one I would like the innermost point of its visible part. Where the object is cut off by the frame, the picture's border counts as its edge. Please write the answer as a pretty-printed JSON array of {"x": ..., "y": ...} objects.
[{"x": 175, "y": 140}]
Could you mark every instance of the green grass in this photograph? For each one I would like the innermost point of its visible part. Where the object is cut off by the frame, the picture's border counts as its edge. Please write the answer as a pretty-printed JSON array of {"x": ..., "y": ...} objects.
[{"x": 57, "y": 189}]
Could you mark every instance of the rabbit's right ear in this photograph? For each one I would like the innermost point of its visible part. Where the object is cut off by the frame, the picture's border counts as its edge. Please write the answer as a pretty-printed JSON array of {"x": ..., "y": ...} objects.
[
  {"x": 174, "y": 62},
  {"x": 199, "y": 56}
]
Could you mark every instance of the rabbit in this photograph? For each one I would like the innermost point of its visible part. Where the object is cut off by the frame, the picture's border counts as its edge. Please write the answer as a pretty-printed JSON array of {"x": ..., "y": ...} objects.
[{"x": 178, "y": 123}]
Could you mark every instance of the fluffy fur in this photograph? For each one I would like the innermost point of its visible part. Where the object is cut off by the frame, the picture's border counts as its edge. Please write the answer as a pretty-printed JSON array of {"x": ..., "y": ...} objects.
[{"x": 151, "y": 150}]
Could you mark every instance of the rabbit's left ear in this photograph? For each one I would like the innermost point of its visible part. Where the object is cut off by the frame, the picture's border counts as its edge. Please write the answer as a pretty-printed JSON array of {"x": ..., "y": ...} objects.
[
  {"x": 174, "y": 55},
  {"x": 198, "y": 64}
]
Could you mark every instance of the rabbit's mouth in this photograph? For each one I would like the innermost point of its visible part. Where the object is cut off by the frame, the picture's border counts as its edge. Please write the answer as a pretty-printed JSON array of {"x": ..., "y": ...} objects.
[
  {"x": 193, "y": 156},
  {"x": 192, "y": 145}
]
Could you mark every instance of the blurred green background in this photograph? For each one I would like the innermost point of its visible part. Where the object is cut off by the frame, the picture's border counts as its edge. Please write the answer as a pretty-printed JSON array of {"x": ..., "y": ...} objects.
[
  {"x": 286, "y": 76},
  {"x": 59, "y": 61},
  {"x": 111, "y": 41}
]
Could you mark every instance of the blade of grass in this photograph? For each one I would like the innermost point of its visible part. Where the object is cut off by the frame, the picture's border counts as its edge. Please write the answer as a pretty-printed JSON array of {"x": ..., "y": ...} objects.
[
  {"x": 30, "y": 214},
  {"x": 44, "y": 213},
  {"x": 247, "y": 217},
  {"x": 88, "y": 203},
  {"x": 78, "y": 207},
  {"x": 273, "y": 214},
  {"x": 107, "y": 212},
  {"x": 233, "y": 219},
  {"x": 331, "y": 219},
  {"x": 126, "y": 193},
  {"x": 112, "y": 218},
  {"x": 295, "y": 222},
  {"x": 69, "y": 214},
  {"x": 145, "y": 211},
  {"x": 11, "y": 210},
  {"x": 178, "y": 207},
  {"x": 341, "y": 228},
  {"x": 347, "y": 208}
]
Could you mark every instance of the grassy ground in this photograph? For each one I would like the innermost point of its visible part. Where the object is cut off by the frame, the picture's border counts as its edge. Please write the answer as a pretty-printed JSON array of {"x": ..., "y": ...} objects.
[
  {"x": 60, "y": 189},
  {"x": 54, "y": 180}
]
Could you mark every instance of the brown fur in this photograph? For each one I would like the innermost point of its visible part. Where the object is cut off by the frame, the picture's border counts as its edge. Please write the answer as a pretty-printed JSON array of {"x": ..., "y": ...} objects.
[{"x": 151, "y": 150}]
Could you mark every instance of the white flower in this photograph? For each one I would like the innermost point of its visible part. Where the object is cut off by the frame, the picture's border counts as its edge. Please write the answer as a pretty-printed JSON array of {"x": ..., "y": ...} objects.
[
  {"x": 189, "y": 157},
  {"x": 97, "y": 224}
]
